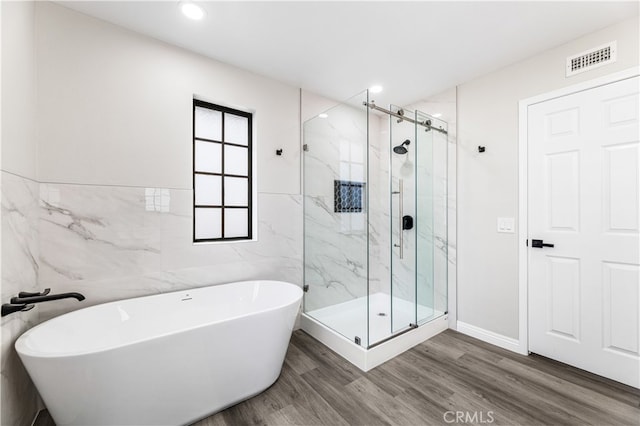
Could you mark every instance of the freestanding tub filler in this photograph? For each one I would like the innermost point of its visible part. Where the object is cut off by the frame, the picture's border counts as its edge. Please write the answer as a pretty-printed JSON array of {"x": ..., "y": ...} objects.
[{"x": 166, "y": 359}]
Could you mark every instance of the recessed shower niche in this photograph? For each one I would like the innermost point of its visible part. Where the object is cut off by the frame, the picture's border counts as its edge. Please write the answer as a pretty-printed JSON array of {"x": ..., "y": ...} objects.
[
  {"x": 375, "y": 229},
  {"x": 348, "y": 196}
]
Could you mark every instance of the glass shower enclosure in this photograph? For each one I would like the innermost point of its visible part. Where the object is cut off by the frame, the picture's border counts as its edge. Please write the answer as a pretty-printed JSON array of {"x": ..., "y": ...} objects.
[{"x": 375, "y": 220}]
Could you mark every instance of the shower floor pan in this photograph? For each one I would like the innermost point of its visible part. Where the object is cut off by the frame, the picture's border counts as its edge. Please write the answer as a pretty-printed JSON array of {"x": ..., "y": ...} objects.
[{"x": 344, "y": 317}]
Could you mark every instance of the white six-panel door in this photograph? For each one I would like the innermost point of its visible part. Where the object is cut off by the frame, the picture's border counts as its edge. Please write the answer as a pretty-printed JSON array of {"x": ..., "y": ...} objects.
[{"x": 584, "y": 198}]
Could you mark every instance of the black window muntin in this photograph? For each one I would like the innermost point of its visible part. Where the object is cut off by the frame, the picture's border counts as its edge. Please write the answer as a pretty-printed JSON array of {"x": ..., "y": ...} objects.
[{"x": 222, "y": 174}]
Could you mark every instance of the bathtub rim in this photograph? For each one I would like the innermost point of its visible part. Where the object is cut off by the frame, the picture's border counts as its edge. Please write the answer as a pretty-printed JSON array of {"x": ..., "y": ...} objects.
[{"x": 23, "y": 350}]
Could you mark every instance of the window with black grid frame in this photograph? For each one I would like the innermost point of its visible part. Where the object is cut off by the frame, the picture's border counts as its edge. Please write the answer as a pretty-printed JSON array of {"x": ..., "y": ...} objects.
[{"x": 222, "y": 175}]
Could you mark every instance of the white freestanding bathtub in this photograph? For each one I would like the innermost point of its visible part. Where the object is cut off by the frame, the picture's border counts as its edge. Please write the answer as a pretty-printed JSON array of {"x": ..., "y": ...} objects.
[{"x": 167, "y": 359}]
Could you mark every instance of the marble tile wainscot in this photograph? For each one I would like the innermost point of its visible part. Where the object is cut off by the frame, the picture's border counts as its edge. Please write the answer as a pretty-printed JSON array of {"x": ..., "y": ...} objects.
[
  {"x": 20, "y": 272},
  {"x": 107, "y": 243}
]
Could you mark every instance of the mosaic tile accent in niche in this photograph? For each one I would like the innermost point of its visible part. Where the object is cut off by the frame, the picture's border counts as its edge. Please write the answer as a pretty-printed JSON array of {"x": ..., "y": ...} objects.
[{"x": 348, "y": 196}]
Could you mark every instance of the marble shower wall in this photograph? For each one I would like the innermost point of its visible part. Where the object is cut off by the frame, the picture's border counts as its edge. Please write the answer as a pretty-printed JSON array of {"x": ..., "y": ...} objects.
[
  {"x": 20, "y": 272},
  {"x": 114, "y": 242}
]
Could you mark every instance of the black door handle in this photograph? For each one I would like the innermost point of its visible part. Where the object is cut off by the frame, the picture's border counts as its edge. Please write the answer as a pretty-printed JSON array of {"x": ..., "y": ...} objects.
[{"x": 540, "y": 244}]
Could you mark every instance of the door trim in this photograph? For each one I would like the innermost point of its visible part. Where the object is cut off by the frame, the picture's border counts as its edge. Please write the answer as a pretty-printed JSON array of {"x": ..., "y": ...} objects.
[{"x": 523, "y": 185}]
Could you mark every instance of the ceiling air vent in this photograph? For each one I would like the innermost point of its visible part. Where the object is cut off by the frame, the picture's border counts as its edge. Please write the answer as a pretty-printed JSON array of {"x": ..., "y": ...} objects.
[{"x": 592, "y": 58}]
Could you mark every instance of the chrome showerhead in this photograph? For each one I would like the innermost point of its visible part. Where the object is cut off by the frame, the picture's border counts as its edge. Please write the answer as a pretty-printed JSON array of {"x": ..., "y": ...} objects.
[{"x": 400, "y": 149}]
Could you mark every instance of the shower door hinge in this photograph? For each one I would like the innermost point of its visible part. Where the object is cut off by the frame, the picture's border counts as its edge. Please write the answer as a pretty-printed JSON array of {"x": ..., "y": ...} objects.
[
  {"x": 305, "y": 288},
  {"x": 357, "y": 340},
  {"x": 305, "y": 147}
]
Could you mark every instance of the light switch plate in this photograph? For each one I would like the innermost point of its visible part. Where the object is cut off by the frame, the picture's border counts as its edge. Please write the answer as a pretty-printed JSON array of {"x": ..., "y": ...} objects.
[{"x": 506, "y": 224}]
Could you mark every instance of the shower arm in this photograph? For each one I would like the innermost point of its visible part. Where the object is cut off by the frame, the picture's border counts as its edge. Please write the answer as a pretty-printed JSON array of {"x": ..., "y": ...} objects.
[{"x": 426, "y": 123}]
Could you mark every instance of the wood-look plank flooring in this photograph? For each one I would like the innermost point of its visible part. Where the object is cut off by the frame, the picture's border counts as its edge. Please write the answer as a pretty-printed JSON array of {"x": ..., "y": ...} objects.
[
  {"x": 448, "y": 373},
  {"x": 429, "y": 385}
]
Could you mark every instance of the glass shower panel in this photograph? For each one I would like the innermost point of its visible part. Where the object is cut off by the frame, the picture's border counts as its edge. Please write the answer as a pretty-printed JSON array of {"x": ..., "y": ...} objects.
[
  {"x": 336, "y": 238},
  {"x": 440, "y": 214},
  {"x": 403, "y": 220},
  {"x": 379, "y": 231},
  {"x": 431, "y": 208}
]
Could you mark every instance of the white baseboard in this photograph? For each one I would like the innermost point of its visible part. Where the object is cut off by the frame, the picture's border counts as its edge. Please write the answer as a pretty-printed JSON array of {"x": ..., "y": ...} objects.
[{"x": 496, "y": 339}]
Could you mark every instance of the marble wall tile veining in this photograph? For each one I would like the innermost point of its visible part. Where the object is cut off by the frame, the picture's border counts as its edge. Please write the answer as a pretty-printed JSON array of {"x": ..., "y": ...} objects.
[
  {"x": 93, "y": 232},
  {"x": 20, "y": 233},
  {"x": 20, "y": 270},
  {"x": 105, "y": 243}
]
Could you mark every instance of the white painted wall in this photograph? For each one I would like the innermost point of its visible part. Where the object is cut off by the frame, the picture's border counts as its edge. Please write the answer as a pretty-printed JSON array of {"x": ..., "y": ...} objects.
[
  {"x": 115, "y": 107},
  {"x": 19, "y": 400},
  {"x": 488, "y": 182},
  {"x": 18, "y": 89}
]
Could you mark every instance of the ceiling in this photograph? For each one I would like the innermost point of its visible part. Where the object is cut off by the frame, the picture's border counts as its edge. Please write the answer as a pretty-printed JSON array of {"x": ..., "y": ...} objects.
[{"x": 413, "y": 49}]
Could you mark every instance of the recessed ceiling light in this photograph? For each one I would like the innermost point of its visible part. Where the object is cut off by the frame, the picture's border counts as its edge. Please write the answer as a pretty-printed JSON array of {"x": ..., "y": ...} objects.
[
  {"x": 436, "y": 115},
  {"x": 192, "y": 10},
  {"x": 323, "y": 115},
  {"x": 375, "y": 89}
]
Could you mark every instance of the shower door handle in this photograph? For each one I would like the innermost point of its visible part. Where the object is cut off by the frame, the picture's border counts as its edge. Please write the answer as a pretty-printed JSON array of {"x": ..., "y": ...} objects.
[{"x": 401, "y": 216}]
